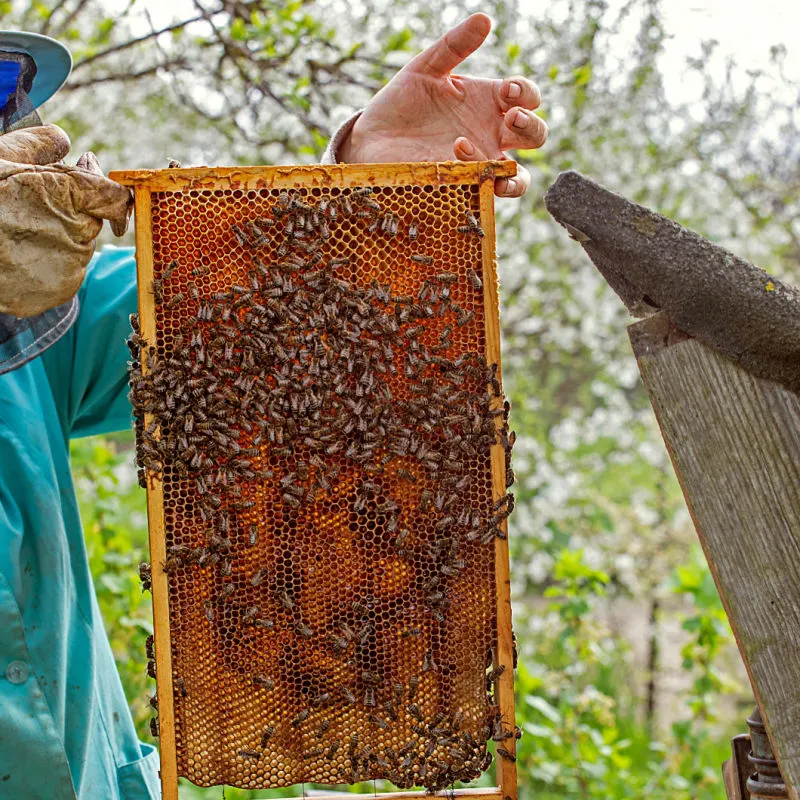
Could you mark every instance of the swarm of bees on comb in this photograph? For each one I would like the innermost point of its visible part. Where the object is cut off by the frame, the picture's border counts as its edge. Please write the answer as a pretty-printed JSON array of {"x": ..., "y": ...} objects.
[{"x": 330, "y": 443}]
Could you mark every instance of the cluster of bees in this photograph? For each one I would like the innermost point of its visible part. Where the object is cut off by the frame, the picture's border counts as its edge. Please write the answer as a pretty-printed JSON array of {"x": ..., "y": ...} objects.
[{"x": 293, "y": 378}]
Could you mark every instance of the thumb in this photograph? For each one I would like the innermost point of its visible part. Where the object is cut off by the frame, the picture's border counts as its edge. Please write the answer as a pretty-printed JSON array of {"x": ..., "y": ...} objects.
[
  {"x": 88, "y": 161},
  {"x": 96, "y": 195},
  {"x": 445, "y": 54},
  {"x": 44, "y": 144}
]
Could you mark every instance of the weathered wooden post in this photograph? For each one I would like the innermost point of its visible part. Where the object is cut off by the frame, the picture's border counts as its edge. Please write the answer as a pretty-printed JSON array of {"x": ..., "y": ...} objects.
[{"x": 719, "y": 354}]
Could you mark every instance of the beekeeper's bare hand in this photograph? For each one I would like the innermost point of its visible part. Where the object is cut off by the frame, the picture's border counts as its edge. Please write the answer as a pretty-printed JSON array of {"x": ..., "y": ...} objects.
[
  {"x": 428, "y": 113},
  {"x": 50, "y": 216}
]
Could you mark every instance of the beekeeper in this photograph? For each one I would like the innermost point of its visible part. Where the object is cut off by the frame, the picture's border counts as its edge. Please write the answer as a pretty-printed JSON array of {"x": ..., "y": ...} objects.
[{"x": 65, "y": 727}]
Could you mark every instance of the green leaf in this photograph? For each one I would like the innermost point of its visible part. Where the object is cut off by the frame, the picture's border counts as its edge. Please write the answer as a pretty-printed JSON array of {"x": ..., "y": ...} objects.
[
  {"x": 543, "y": 707},
  {"x": 582, "y": 75},
  {"x": 238, "y": 30}
]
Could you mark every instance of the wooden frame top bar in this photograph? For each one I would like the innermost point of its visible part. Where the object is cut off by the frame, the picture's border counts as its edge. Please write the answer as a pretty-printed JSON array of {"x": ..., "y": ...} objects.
[{"x": 401, "y": 174}]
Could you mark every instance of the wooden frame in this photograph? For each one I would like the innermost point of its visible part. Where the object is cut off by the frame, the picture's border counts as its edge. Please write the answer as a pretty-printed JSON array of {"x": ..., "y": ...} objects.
[{"x": 146, "y": 182}]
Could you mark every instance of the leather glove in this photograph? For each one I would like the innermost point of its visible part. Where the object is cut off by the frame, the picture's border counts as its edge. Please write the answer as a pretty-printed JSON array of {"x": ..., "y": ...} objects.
[{"x": 50, "y": 216}]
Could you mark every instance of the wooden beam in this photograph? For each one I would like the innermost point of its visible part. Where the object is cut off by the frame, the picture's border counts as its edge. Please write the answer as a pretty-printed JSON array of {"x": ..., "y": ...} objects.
[
  {"x": 653, "y": 263},
  {"x": 734, "y": 441}
]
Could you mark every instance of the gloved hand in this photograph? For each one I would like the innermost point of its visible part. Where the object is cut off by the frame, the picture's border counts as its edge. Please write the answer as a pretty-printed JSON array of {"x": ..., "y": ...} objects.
[{"x": 50, "y": 216}]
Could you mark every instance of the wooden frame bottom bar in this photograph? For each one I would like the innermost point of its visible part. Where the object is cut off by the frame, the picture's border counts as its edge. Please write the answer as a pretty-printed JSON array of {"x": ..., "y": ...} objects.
[{"x": 490, "y": 793}]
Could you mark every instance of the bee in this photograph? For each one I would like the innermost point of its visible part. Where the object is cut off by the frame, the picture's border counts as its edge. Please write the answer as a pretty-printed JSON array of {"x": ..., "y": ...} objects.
[
  {"x": 291, "y": 501},
  {"x": 413, "y": 685},
  {"x": 323, "y": 728},
  {"x": 465, "y": 318},
  {"x": 303, "y": 630},
  {"x": 379, "y": 722},
  {"x": 268, "y": 733},
  {"x": 369, "y": 697},
  {"x": 149, "y": 649},
  {"x": 446, "y": 277},
  {"x": 411, "y": 632},
  {"x": 413, "y": 231},
  {"x": 240, "y": 235},
  {"x": 413, "y": 709},
  {"x": 209, "y": 610},
  {"x": 422, "y": 259},
  {"x": 154, "y": 727},
  {"x": 399, "y": 691},
  {"x": 176, "y": 300},
  {"x": 226, "y": 569},
  {"x": 153, "y": 702},
  {"x": 287, "y": 601},
  {"x": 495, "y": 673},
  {"x": 258, "y": 577},
  {"x": 252, "y": 755},
  {"x": 348, "y": 695},
  {"x": 506, "y": 754},
  {"x": 300, "y": 718},
  {"x": 353, "y": 746},
  {"x": 252, "y": 535},
  {"x": 315, "y": 752},
  {"x": 428, "y": 662},
  {"x": 167, "y": 274},
  {"x": 474, "y": 279},
  {"x": 263, "y": 682},
  {"x": 333, "y": 749}
]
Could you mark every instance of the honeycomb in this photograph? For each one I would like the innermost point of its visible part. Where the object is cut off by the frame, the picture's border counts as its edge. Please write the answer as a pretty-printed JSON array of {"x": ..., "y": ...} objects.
[{"x": 319, "y": 422}]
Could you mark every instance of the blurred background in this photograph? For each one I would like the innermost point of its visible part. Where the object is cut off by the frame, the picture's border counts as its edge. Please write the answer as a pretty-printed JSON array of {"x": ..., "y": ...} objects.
[{"x": 629, "y": 683}]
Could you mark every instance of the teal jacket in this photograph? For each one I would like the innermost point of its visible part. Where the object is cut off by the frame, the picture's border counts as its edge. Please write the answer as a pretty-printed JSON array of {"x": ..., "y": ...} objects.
[{"x": 65, "y": 727}]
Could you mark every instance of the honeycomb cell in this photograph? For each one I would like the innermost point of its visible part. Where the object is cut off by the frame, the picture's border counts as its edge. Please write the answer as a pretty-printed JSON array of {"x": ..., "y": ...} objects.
[{"x": 320, "y": 419}]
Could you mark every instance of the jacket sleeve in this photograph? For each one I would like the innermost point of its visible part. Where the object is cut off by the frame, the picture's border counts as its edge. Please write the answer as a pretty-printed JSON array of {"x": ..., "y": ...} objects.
[
  {"x": 330, "y": 156},
  {"x": 88, "y": 367}
]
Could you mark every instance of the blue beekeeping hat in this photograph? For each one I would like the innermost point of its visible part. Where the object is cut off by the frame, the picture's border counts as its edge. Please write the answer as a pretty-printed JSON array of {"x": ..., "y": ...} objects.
[{"x": 53, "y": 62}]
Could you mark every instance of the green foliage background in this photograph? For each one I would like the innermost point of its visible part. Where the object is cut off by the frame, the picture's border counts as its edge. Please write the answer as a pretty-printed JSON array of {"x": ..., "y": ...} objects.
[{"x": 600, "y": 535}]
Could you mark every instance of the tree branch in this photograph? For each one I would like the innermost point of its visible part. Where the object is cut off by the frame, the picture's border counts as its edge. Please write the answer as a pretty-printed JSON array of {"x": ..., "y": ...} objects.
[
  {"x": 133, "y": 42},
  {"x": 122, "y": 77},
  {"x": 46, "y": 24},
  {"x": 653, "y": 263}
]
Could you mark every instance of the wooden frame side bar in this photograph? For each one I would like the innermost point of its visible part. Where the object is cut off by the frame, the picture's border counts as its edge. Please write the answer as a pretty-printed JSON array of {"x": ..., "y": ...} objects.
[
  {"x": 344, "y": 175},
  {"x": 155, "y": 516},
  {"x": 504, "y": 655}
]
